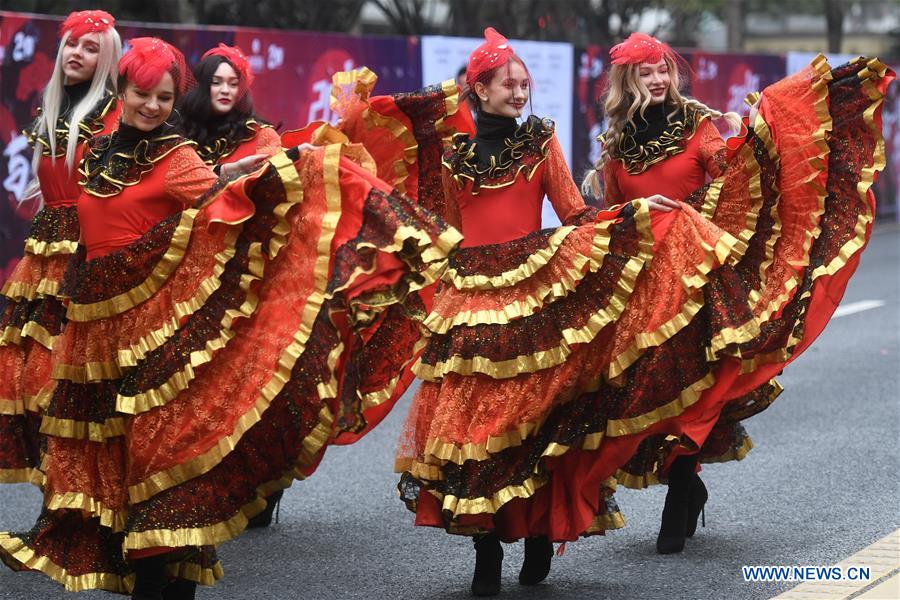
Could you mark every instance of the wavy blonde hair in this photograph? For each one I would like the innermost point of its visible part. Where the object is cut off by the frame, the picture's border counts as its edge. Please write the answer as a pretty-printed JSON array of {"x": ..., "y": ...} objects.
[
  {"x": 103, "y": 81},
  {"x": 625, "y": 96}
]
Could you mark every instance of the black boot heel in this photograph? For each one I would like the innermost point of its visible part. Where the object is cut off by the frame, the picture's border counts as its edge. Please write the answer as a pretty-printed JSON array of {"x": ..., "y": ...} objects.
[
  {"x": 180, "y": 589},
  {"x": 150, "y": 577},
  {"x": 264, "y": 519},
  {"x": 536, "y": 566},
  {"x": 488, "y": 565},
  {"x": 674, "y": 527},
  {"x": 697, "y": 497}
]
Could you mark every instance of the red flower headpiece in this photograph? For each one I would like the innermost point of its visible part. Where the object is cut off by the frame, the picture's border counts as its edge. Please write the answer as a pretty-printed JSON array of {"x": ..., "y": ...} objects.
[
  {"x": 494, "y": 52},
  {"x": 237, "y": 59},
  {"x": 640, "y": 48},
  {"x": 148, "y": 59},
  {"x": 81, "y": 22}
]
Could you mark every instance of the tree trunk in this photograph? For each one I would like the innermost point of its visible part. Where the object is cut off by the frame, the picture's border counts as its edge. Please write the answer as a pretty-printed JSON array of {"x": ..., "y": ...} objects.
[
  {"x": 834, "y": 18},
  {"x": 734, "y": 20}
]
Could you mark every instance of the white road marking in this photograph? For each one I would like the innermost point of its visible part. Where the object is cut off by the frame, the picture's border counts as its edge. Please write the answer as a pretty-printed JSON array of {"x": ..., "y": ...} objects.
[{"x": 855, "y": 307}]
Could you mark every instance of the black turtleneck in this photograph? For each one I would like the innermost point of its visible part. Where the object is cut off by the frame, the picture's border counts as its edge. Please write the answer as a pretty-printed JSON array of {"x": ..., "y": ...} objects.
[
  {"x": 126, "y": 138},
  {"x": 490, "y": 135},
  {"x": 73, "y": 94},
  {"x": 652, "y": 124}
]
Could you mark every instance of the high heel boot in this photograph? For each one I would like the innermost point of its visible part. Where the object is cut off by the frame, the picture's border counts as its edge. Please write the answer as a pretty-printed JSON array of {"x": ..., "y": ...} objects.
[
  {"x": 673, "y": 529},
  {"x": 264, "y": 519},
  {"x": 488, "y": 565},
  {"x": 697, "y": 497},
  {"x": 180, "y": 589},
  {"x": 536, "y": 566},
  {"x": 150, "y": 577}
]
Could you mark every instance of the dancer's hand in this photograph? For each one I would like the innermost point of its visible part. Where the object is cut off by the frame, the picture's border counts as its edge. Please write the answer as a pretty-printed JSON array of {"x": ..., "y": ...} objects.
[
  {"x": 306, "y": 147},
  {"x": 660, "y": 202},
  {"x": 243, "y": 166}
]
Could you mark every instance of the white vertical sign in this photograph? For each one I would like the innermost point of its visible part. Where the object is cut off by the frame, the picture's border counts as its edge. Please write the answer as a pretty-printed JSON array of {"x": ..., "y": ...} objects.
[{"x": 551, "y": 67}]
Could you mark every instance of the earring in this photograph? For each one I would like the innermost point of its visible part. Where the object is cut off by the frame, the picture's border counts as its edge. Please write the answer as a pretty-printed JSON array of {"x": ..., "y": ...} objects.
[{"x": 178, "y": 118}]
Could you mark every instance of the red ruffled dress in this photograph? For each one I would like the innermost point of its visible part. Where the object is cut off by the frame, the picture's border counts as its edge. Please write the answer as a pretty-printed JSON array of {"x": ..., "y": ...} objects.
[
  {"x": 257, "y": 138},
  {"x": 686, "y": 155},
  {"x": 220, "y": 336},
  {"x": 35, "y": 315},
  {"x": 553, "y": 356}
]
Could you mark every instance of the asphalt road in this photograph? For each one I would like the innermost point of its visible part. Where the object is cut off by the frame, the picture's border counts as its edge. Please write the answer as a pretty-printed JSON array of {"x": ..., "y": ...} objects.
[{"x": 821, "y": 484}]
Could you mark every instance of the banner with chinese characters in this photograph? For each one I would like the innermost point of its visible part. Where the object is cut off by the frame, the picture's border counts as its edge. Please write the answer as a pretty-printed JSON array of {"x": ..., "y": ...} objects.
[{"x": 293, "y": 83}]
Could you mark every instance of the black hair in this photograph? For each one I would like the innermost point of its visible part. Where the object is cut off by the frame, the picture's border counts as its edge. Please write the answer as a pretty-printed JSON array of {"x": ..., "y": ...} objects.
[{"x": 198, "y": 122}]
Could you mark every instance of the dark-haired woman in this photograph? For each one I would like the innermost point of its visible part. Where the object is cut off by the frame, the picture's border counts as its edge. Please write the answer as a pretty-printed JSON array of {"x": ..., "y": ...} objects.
[{"x": 218, "y": 114}]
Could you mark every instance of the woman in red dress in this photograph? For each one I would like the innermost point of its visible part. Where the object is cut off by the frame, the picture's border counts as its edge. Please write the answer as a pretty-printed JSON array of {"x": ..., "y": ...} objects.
[
  {"x": 553, "y": 355},
  {"x": 220, "y": 336},
  {"x": 78, "y": 104},
  {"x": 218, "y": 115},
  {"x": 663, "y": 146}
]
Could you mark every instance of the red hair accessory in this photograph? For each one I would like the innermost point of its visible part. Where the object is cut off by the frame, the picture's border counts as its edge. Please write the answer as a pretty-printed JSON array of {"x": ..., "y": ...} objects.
[
  {"x": 640, "y": 48},
  {"x": 237, "y": 59},
  {"x": 494, "y": 52},
  {"x": 81, "y": 22},
  {"x": 148, "y": 59}
]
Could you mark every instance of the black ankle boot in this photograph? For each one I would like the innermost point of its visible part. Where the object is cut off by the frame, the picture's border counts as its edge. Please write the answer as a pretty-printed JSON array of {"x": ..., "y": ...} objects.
[
  {"x": 697, "y": 497},
  {"x": 488, "y": 563},
  {"x": 673, "y": 529},
  {"x": 264, "y": 519},
  {"x": 536, "y": 566},
  {"x": 149, "y": 577},
  {"x": 180, "y": 589}
]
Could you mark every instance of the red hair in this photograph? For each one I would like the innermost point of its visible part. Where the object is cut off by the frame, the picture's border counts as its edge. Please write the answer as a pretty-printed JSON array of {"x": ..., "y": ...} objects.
[{"x": 148, "y": 59}]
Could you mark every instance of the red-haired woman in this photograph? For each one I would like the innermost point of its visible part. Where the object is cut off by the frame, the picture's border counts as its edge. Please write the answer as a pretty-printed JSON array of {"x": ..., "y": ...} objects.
[{"x": 221, "y": 331}]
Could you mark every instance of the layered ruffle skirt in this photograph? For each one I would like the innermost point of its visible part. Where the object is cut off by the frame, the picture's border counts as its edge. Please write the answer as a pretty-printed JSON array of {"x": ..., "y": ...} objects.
[
  {"x": 564, "y": 363},
  {"x": 211, "y": 362},
  {"x": 33, "y": 318}
]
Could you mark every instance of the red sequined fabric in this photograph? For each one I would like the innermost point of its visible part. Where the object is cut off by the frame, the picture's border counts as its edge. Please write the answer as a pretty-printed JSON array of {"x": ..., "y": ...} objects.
[
  {"x": 34, "y": 314},
  {"x": 212, "y": 360},
  {"x": 528, "y": 434}
]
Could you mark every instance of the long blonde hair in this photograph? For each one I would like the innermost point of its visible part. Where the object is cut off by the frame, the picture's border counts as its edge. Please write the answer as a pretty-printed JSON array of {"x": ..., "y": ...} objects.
[
  {"x": 625, "y": 96},
  {"x": 103, "y": 82}
]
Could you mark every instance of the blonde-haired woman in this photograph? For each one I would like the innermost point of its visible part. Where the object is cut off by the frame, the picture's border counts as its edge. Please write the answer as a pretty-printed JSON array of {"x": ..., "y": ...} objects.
[
  {"x": 78, "y": 103},
  {"x": 767, "y": 192},
  {"x": 658, "y": 143},
  {"x": 663, "y": 146}
]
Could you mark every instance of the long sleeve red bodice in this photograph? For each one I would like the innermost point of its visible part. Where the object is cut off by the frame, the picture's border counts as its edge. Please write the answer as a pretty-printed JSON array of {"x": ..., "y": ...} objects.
[
  {"x": 502, "y": 203},
  {"x": 116, "y": 213},
  {"x": 679, "y": 170},
  {"x": 259, "y": 139},
  {"x": 59, "y": 185}
]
